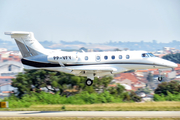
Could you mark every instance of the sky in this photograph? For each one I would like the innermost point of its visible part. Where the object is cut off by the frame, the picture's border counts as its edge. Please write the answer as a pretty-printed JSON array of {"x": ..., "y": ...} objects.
[{"x": 92, "y": 21}]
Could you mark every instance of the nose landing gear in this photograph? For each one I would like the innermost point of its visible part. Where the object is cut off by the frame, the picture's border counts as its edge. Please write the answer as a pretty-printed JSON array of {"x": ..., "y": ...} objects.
[
  {"x": 160, "y": 78},
  {"x": 89, "y": 82}
]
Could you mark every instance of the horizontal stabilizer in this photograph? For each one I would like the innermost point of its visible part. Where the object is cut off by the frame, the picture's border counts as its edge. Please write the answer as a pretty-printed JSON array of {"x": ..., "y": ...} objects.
[{"x": 16, "y": 33}]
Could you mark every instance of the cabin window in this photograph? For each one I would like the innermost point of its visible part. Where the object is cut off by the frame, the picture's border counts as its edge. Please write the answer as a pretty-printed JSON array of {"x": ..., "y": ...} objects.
[
  {"x": 127, "y": 56},
  {"x": 98, "y": 58},
  {"x": 86, "y": 57},
  {"x": 120, "y": 56},
  {"x": 106, "y": 57},
  {"x": 113, "y": 57}
]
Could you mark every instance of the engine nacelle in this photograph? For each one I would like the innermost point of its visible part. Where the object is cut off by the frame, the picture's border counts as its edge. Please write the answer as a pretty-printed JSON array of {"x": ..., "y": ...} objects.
[{"x": 64, "y": 57}]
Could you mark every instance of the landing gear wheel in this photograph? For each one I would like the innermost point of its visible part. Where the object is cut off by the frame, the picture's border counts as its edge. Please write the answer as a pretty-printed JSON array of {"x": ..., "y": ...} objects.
[
  {"x": 160, "y": 79},
  {"x": 89, "y": 82}
]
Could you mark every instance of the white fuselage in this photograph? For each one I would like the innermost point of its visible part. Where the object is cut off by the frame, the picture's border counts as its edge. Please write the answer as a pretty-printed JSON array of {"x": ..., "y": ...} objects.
[
  {"x": 89, "y": 64},
  {"x": 120, "y": 60}
]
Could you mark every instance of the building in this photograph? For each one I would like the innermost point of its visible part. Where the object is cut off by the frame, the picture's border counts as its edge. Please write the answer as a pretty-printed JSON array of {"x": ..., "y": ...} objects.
[
  {"x": 129, "y": 79},
  {"x": 5, "y": 83},
  {"x": 5, "y": 79},
  {"x": 3, "y": 49},
  {"x": 10, "y": 68}
]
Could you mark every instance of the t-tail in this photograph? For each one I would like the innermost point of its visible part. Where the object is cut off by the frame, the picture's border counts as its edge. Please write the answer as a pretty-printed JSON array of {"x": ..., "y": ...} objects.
[{"x": 27, "y": 44}]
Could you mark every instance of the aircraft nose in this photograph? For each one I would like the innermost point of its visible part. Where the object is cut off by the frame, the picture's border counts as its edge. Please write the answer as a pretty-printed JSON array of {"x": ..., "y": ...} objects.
[
  {"x": 171, "y": 64},
  {"x": 174, "y": 65},
  {"x": 165, "y": 63}
]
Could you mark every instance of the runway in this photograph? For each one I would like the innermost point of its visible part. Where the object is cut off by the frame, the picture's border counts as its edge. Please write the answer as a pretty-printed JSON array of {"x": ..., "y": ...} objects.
[{"x": 90, "y": 114}]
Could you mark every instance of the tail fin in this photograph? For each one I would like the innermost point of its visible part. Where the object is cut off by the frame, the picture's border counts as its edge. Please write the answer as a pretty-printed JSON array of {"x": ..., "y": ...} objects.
[{"x": 27, "y": 44}]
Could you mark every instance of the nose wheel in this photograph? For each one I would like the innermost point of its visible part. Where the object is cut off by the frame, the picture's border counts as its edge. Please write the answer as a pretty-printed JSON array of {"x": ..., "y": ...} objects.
[
  {"x": 89, "y": 82},
  {"x": 160, "y": 79}
]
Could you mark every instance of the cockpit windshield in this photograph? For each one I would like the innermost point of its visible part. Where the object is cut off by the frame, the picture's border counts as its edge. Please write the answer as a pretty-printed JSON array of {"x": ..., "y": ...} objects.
[
  {"x": 145, "y": 55},
  {"x": 151, "y": 55},
  {"x": 148, "y": 55}
]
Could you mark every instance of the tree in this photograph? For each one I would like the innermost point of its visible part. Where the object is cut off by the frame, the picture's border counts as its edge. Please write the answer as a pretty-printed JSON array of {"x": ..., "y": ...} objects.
[
  {"x": 102, "y": 83},
  {"x": 173, "y": 57},
  {"x": 22, "y": 84},
  {"x": 40, "y": 78},
  {"x": 34, "y": 80},
  {"x": 118, "y": 90},
  {"x": 112, "y": 90},
  {"x": 134, "y": 97},
  {"x": 146, "y": 90},
  {"x": 126, "y": 96},
  {"x": 165, "y": 87}
]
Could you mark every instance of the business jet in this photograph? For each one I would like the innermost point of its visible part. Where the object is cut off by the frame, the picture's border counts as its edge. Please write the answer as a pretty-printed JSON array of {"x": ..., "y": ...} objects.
[{"x": 90, "y": 64}]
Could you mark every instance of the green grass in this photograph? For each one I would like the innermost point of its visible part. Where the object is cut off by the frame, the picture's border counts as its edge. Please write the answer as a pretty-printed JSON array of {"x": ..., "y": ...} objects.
[
  {"x": 147, "y": 106},
  {"x": 47, "y": 98},
  {"x": 169, "y": 97}
]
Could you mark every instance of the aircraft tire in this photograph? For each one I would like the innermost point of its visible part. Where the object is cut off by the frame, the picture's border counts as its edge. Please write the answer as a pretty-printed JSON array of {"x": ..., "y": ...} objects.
[
  {"x": 89, "y": 82},
  {"x": 160, "y": 79}
]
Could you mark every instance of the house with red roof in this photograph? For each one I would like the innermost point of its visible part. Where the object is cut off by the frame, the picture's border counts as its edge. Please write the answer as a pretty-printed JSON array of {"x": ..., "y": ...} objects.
[
  {"x": 130, "y": 79},
  {"x": 5, "y": 79}
]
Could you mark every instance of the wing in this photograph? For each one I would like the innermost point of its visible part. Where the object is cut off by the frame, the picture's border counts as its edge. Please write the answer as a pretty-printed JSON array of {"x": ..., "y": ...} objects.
[{"x": 82, "y": 70}]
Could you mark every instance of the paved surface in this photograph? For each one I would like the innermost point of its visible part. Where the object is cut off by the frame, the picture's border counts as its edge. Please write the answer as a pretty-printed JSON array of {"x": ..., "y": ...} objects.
[{"x": 90, "y": 114}]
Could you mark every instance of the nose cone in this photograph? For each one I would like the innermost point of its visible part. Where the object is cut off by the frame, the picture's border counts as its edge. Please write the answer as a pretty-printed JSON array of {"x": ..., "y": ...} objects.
[
  {"x": 170, "y": 64},
  {"x": 162, "y": 63},
  {"x": 174, "y": 65}
]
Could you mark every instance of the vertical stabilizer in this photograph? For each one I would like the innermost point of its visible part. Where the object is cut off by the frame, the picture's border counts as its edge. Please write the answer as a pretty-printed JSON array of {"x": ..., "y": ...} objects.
[{"x": 27, "y": 44}]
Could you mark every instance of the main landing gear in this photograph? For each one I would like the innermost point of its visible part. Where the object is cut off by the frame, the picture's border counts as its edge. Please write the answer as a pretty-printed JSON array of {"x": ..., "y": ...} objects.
[
  {"x": 90, "y": 78},
  {"x": 89, "y": 82}
]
